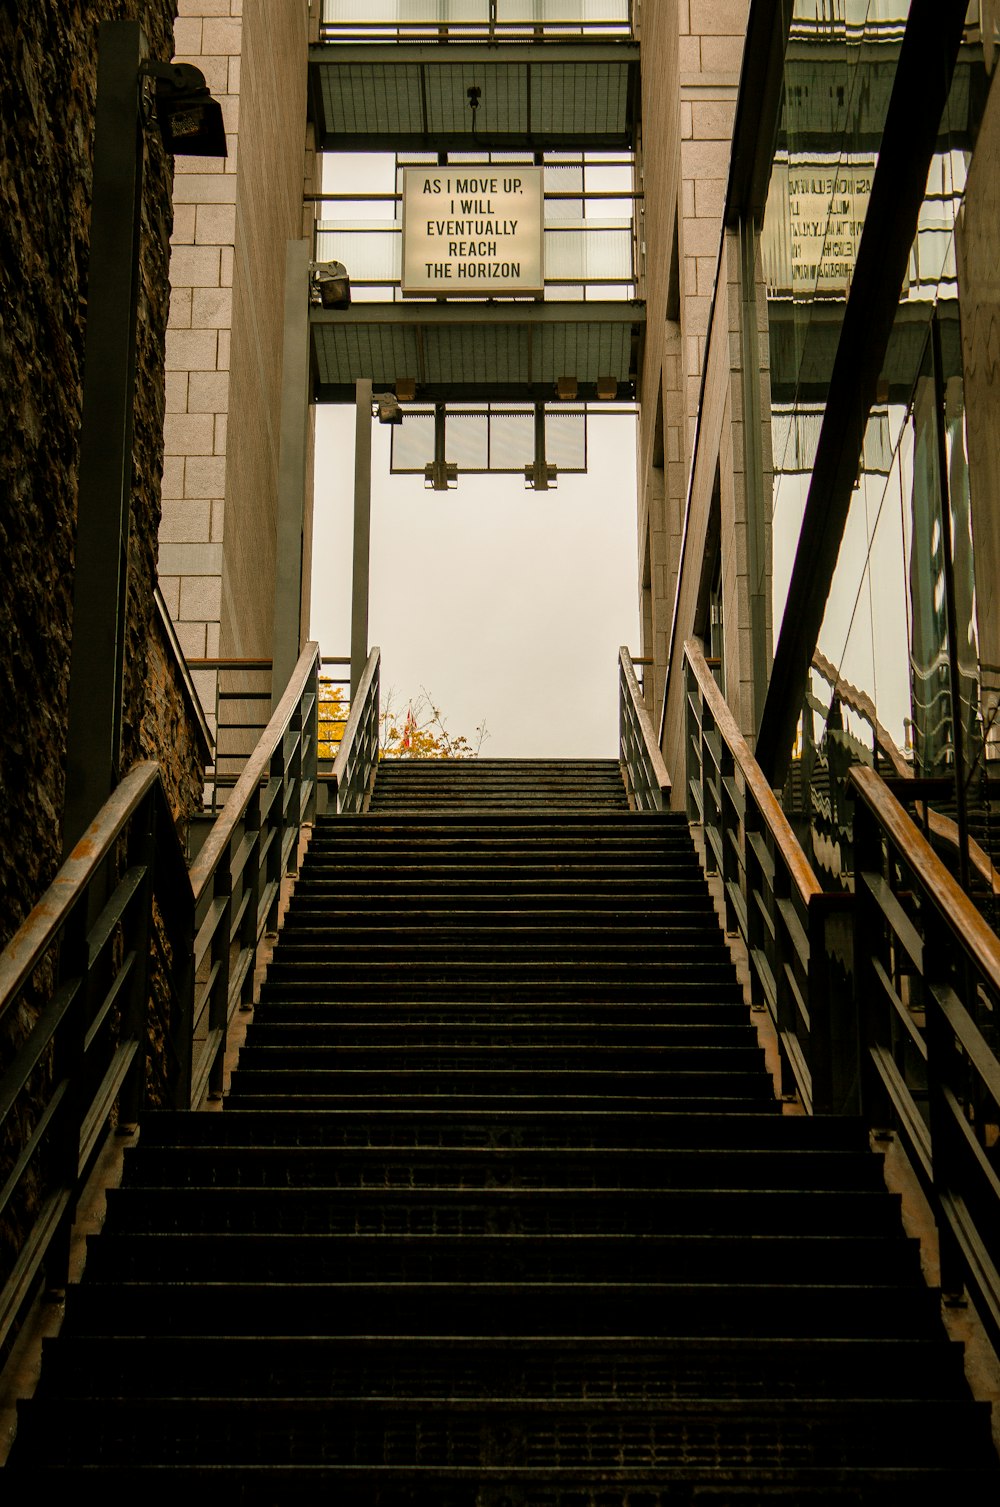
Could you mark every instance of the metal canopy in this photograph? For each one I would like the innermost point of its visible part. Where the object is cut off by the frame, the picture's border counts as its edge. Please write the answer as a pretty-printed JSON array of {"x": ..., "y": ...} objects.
[
  {"x": 476, "y": 351},
  {"x": 541, "y": 95}
]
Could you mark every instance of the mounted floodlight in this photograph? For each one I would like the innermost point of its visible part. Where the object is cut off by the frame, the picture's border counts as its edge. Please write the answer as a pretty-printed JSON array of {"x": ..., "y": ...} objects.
[
  {"x": 607, "y": 389},
  {"x": 329, "y": 285},
  {"x": 406, "y": 389},
  {"x": 385, "y": 408},
  {"x": 566, "y": 389},
  {"x": 190, "y": 120}
]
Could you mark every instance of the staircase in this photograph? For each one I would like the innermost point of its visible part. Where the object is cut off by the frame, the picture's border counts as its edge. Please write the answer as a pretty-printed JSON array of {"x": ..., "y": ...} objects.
[{"x": 501, "y": 1209}]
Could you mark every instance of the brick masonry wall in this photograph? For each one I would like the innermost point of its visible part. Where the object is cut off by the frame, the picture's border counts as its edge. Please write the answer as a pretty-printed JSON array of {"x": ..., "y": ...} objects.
[{"x": 48, "y": 56}]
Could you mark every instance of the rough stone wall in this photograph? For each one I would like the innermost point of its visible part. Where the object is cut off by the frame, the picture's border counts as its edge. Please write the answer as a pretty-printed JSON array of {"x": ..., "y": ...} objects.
[{"x": 48, "y": 55}]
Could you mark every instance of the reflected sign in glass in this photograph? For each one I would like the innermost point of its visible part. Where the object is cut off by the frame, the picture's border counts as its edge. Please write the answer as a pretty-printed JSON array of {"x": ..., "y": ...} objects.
[{"x": 472, "y": 228}]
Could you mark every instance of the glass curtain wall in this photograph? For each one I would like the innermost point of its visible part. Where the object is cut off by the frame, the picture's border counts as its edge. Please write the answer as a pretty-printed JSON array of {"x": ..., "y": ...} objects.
[{"x": 895, "y": 679}]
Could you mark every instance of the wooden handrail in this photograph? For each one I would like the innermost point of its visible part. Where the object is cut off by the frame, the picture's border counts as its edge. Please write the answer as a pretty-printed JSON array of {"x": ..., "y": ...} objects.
[
  {"x": 954, "y": 905},
  {"x": 256, "y": 769},
  {"x": 41, "y": 926},
  {"x": 764, "y": 798}
]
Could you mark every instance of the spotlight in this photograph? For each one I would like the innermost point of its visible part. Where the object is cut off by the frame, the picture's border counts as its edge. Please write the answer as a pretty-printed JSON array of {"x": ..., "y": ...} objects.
[
  {"x": 190, "y": 120},
  {"x": 385, "y": 408},
  {"x": 329, "y": 285}
]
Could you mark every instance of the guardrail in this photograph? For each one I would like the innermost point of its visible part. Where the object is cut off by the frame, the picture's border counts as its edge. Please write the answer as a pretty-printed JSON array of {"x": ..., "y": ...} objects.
[
  {"x": 357, "y": 761},
  {"x": 927, "y": 972},
  {"x": 236, "y": 878},
  {"x": 119, "y": 987},
  {"x": 646, "y": 777},
  {"x": 95, "y": 990},
  {"x": 772, "y": 897}
]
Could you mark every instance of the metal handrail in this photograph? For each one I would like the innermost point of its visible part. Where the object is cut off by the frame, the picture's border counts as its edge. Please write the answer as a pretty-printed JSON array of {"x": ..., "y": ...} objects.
[
  {"x": 646, "y": 777},
  {"x": 772, "y": 896},
  {"x": 236, "y": 878},
  {"x": 127, "y": 1002},
  {"x": 112, "y": 929},
  {"x": 357, "y": 758},
  {"x": 927, "y": 988}
]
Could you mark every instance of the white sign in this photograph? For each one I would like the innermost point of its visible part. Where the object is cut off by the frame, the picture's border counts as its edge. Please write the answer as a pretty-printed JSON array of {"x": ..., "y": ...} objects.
[{"x": 472, "y": 228}]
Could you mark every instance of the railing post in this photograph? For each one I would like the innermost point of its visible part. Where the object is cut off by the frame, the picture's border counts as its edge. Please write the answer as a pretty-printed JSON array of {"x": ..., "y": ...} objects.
[
  {"x": 310, "y": 733},
  {"x": 941, "y": 1062},
  {"x": 276, "y": 832},
  {"x": 868, "y": 946},
  {"x": 692, "y": 698},
  {"x": 134, "y": 1021},
  {"x": 218, "y": 1004}
]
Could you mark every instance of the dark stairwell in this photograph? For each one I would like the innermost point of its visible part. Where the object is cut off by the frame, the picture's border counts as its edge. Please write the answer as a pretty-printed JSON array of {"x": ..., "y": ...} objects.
[{"x": 502, "y": 1209}]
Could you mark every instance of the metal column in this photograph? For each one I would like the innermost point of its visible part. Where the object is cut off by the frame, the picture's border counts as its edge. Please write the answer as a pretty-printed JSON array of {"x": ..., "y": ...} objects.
[
  {"x": 362, "y": 530},
  {"x": 292, "y": 470},
  {"x": 97, "y": 655}
]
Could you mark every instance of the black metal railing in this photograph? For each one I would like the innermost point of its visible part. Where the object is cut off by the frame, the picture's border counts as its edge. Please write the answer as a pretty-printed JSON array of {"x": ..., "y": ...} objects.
[
  {"x": 788, "y": 924},
  {"x": 118, "y": 989},
  {"x": 236, "y": 878},
  {"x": 357, "y": 761},
  {"x": 646, "y": 777},
  {"x": 95, "y": 992},
  {"x": 927, "y": 973},
  {"x": 886, "y": 999}
]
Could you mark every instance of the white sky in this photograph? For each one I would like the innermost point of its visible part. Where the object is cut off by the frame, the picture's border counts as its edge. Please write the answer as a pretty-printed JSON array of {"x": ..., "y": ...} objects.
[{"x": 506, "y": 605}]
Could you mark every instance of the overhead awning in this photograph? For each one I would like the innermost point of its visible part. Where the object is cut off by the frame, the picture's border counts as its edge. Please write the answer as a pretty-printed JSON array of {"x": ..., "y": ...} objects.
[
  {"x": 410, "y": 97},
  {"x": 475, "y": 352}
]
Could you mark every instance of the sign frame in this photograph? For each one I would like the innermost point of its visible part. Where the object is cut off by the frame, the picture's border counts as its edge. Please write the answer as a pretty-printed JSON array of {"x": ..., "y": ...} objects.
[{"x": 455, "y": 284}]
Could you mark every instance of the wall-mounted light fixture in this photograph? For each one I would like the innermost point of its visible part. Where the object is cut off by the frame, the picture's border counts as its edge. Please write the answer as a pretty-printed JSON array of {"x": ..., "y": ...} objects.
[
  {"x": 607, "y": 389},
  {"x": 190, "y": 120},
  {"x": 567, "y": 389},
  {"x": 406, "y": 389},
  {"x": 385, "y": 408},
  {"x": 329, "y": 285}
]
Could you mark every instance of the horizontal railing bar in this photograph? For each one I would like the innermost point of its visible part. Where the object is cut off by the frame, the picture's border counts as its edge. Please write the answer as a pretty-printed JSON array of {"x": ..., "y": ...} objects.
[
  {"x": 110, "y": 999},
  {"x": 40, "y": 928},
  {"x": 899, "y": 1009},
  {"x": 208, "y": 927},
  {"x": 113, "y": 913},
  {"x": 32, "y": 1145},
  {"x": 977, "y": 940},
  {"x": 206, "y": 1060},
  {"x": 101, "y": 1105},
  {"x": 766, "y": 801},
  {"x": 257, "y": 767},
  {"x": 902, "y": 927},
  {"x": 29, "y": 1262},
  {"x": 970, "y": 1038},
  {"x": 916, "y": 1132},
  {"x": 33, "y": 1049}
]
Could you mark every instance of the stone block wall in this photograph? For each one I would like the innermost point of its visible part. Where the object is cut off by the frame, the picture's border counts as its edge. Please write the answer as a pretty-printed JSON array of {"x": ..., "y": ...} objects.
[
  {"x": 232, "y": 220},
  {"x": 48, "y": 70}
]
